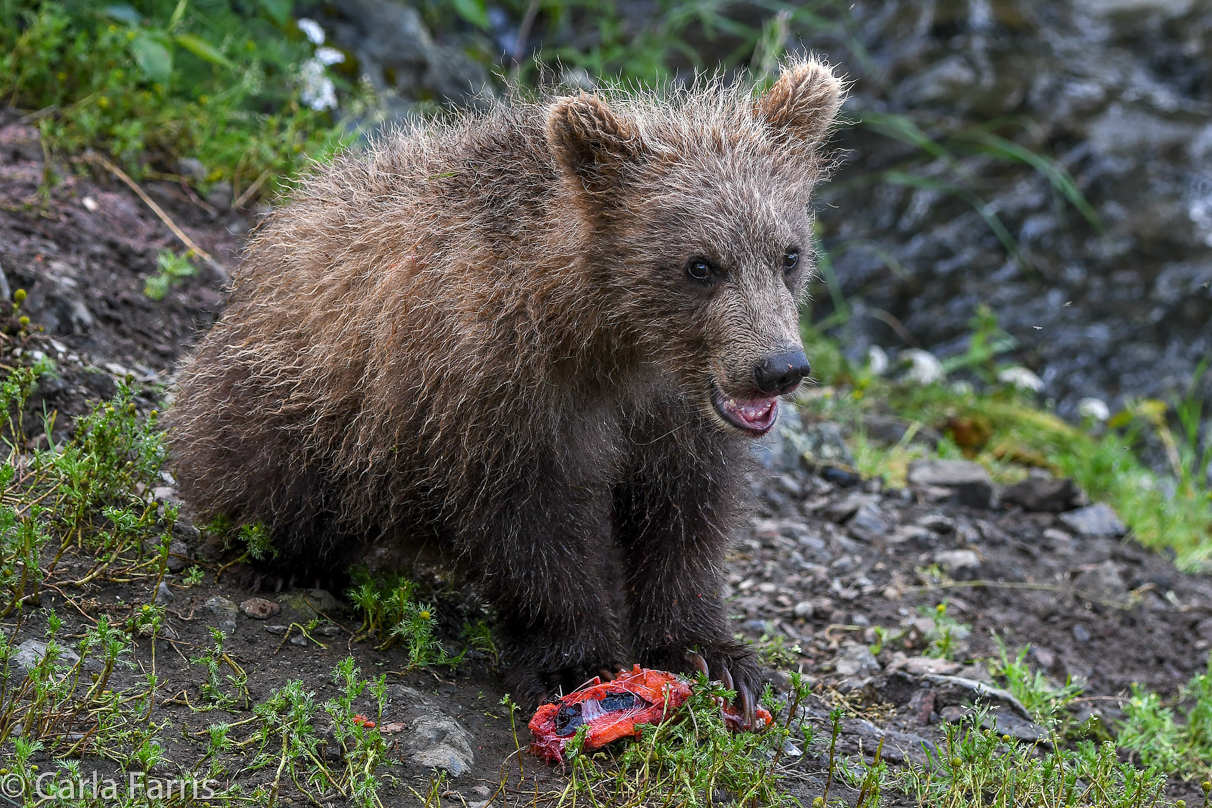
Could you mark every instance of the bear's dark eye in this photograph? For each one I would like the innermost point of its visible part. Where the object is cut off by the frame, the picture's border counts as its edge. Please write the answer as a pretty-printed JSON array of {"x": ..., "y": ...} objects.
[
  {"x": 790, "y": 259},
  {"x": 700, "y": 269}
]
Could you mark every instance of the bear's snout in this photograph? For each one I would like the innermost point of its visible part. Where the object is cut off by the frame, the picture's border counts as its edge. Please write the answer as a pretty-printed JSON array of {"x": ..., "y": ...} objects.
[{"x": 782, "y": 372}]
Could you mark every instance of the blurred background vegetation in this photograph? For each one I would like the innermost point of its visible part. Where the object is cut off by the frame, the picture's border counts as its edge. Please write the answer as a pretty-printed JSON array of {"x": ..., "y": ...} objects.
[{"x": 1015, "y": 252}]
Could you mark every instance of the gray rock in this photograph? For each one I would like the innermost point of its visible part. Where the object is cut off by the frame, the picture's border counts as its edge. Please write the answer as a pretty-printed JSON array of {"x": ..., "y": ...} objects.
[
  {"x": 435, "y": 739},
  {"x": 163, "y": 594},
  {"x": 222, "y": 613},
  {"x": 804, "y": 610},
  {"x": 968, "y": 482},
  {"x": 962, "y": 565},
  {"x": 57, "y": 302},
  {"x": 220, "y": 195},
  {"x": 868, "y": 523},
  {"x": 959, "y": 690},
  {"x": 179, "y": 555},
  {"x": 318, "y": 602},
  {"x": 1101, "y": 582},
  {"x": 1004, "y": 722},
  {"x": 31, "y": 653},
  {"x": 1043, "y": 494},
  {"x": 856, "y": 661},
  {"x": 822, "y": 442},
  {"x": 924, "y": 666},
  {"x": 1094, "y": 521}
]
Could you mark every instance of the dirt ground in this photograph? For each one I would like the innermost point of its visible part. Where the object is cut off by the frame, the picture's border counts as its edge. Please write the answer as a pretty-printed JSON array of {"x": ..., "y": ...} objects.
[{"x": 825, "y": 560}]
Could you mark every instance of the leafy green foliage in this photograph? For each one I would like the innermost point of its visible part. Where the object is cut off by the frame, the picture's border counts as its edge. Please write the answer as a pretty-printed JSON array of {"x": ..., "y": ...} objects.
[
  {"x": 170, "y": 269},
  {"x": 1032, "y": 688},
  {"x": 153, "y": 81},
  {"x": 1172, "y": 738},
  {"x": 392, "y": 616}
]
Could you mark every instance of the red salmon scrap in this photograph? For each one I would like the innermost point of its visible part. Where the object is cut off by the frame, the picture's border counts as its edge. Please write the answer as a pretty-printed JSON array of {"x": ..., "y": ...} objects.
[{"x": 615, "y": 709}]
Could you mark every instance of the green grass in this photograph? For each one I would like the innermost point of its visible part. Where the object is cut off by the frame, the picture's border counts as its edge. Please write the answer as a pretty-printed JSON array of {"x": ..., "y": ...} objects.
[{"x": 153, "y": 81}]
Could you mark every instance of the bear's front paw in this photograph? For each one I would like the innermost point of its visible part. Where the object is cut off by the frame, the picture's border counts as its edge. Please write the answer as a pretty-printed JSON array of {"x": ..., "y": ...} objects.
[
  {"x": 530, "y": 687},
  {"x": 729, "y": 663}
]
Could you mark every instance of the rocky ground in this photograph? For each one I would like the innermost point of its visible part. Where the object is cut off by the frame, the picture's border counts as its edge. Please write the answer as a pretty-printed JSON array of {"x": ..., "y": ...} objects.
[{"x": 826, "y": 563}]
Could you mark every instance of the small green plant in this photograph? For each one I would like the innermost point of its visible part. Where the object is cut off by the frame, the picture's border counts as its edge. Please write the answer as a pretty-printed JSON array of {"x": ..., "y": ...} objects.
[
  {"x": 171, "y": 268},
  {"x": 391, "y": 616},
  {"x": 1174, "y": 738},
  {"x": 1040, "y": 697},
  {"x": 945, "y": 633},
  {"x": 478, "y": 635},
  {"x": 226, "y": 683}
]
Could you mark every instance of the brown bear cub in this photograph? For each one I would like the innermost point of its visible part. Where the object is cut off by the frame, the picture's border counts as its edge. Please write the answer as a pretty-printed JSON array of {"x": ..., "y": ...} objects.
[{"x": 541, "y": 339}]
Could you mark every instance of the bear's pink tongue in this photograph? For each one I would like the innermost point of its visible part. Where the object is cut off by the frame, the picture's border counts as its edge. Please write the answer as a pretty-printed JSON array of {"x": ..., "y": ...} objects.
[{"x": 757, "y": 414}]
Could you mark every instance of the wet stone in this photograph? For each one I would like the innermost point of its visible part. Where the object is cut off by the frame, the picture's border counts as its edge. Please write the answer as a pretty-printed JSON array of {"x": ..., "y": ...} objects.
[
  {"x": 968, "y": 483},
  {"x": 435, "y": 739},
  {"x": 868, "y": 524},
  {"x": 1094, "y": 521},
  {"x": 962, "y": 565},
  {"x": 1101, "y": 582},
  {"x": 1043, "y": 494}
]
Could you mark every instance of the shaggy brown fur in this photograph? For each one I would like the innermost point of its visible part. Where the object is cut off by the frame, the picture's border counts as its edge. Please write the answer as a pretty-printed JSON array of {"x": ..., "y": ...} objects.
[{"x": 497, "y": 336}]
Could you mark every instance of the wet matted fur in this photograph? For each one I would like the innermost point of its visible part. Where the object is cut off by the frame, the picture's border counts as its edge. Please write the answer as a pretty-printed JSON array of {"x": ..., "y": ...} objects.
[{"x": 510, "y": 336}]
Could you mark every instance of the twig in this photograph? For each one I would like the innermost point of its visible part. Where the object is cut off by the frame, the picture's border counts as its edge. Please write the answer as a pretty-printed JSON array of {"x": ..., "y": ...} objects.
[
  {"x": 156, "y": 209},
  {"x": 252, "y": 189}
]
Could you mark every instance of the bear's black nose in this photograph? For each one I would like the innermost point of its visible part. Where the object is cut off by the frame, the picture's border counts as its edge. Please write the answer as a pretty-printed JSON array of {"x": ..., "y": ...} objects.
[{"x": 781, "y": 372}]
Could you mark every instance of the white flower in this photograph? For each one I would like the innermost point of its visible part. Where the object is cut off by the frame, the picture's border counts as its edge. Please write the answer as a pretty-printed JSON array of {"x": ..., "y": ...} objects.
[
  {"x": 311, "y": 29},
  {"x": 1021, "y": 378},
  {"x": 318, "y": 91},
  {"x": 329, "y": 56},
  {"x": 1094, "y": 408},
  {"x": 925, "y": 367},
  {"x": 877, "y": 360}
]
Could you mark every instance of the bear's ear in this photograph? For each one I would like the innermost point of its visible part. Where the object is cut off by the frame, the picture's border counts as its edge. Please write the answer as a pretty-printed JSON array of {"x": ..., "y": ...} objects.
[
  {"x": 803, "y": 102},
  {"x": 592, "y": 142}
]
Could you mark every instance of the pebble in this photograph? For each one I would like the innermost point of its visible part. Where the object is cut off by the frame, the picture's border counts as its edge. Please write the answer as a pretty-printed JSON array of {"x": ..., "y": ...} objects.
[
  {"x": 962, "y": 565},
  {"x": 223, "y": 613},
  {"x": 163, "y": 594},
  {"x": 968, "y": 482},
  {"x": 259, "y": 608},
  {"x": 868, "y": 523},
  {"x": 1094, "y": 521}
]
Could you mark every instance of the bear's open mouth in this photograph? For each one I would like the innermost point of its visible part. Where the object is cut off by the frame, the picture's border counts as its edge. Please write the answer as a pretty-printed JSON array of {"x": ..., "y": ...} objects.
[{"x": 753, "y": 416}]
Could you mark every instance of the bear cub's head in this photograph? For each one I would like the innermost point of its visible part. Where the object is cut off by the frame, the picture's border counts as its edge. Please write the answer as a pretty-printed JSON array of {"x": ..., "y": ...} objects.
[{"x": 698, "y": 212}]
